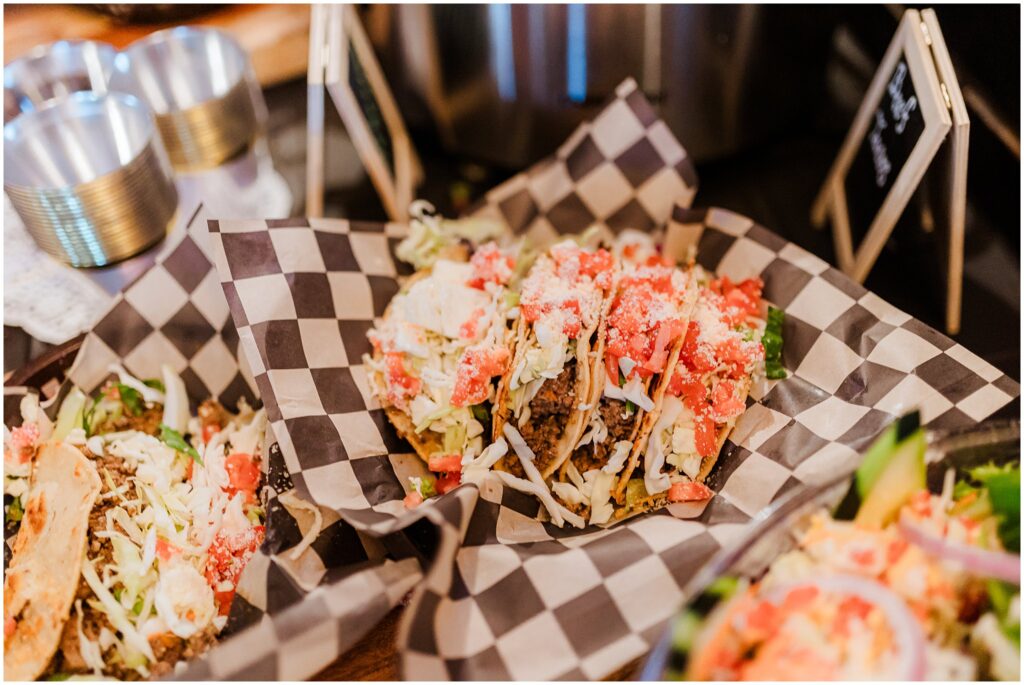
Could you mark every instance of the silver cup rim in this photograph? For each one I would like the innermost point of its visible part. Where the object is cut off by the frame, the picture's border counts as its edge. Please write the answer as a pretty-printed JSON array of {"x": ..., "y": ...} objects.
[
  {"x": 45, "y": 49},
  {"x": 48, "y": 113},
  {"x": 122, "y": 63}
]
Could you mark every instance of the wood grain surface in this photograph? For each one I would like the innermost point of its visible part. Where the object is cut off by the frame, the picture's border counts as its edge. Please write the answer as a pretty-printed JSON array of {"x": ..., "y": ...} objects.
[
  {"x": 276, "y": 36},
  {"x": 375, "y": 656}
]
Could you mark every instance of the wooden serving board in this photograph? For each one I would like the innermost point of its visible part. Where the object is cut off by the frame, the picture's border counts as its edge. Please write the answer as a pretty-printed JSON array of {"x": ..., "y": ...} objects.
[{"x": 276, "y": 36}]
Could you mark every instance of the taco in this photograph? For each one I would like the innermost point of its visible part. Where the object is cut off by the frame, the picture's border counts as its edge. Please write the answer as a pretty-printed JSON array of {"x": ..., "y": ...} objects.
[
  {"x": 719, "y": 357},
  {"x": 441, "y": 343},
  {"x": 543, "y": 398},
  {"x": 134, "y": 523},
  {"x": 641, "y": 337}
]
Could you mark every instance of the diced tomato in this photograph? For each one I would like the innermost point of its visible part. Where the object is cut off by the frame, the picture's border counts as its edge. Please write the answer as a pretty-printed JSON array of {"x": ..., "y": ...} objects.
[
  {"x": 611, "y": 365},
  {"x": 445, "y": 463},
  {"x": 10, "y": 625},
  {"x": 243, "y": 472},
  {"x": 706, "y": 437},
  {"x": 166, "y": 550},
  {"x": 799, "y": 597},
  {"x": 594, "y": 263},
  {"x": 851, "y": 608},
  {"x": 413, "y": 500},
  {"x": 629, "y": 251},
  {"x": 668, "y": 331},
  {"x": 226, "y": 558},
  {"x": 695, "y": 396},
  {"x": 401, "y": 384},
  {"x": 726, "y": 402},
  {"x": 209, "y": 430},
  {"x": 447, "y": 482},
  {"x": 863, "y": 557},
  {"x": 689, "y": 492},
  {"x": 763, "y": 619},
  {"x": 740, "y": 300},
  {"x": 490, "y": 265},
  {"x": 921, "y": 503},
  {"x": 476, "y": 367},
  {"x": 467, "y": 331},
  {"x": 532, "y": 311},
  {"x": 895, "y": 550}
]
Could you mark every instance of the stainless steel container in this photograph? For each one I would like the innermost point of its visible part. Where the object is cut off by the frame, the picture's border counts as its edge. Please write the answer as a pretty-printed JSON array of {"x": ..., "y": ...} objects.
[
  {"x": 723, "y": 77},
  {"x": 201, "y": 87},
  {"x": 90, "y": 178},
  {"x": 52, "y": 71}
]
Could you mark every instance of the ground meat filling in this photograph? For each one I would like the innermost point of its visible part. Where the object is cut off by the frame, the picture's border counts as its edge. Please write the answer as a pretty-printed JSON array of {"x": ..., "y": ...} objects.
[
  {"x": 620, "y": 424},
  {"x": 550, "y": 410},
  {"x": 148, "y": 421}
]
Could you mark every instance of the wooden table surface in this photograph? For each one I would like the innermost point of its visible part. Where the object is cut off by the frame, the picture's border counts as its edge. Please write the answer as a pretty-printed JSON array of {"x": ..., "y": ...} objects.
[
  {"x": 276, "y": 36},
  {"x": 374, "y": 657}
]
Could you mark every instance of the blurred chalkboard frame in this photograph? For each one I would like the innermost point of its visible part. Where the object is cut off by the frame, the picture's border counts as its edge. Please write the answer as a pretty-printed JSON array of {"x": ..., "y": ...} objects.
[
  {"x": 910, "y": 44},
  {"x": 353, "y": 78}
]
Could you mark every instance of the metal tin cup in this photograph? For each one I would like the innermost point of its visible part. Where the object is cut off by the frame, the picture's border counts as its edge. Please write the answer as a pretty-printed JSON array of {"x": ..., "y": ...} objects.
[
  {"x": 89, "y": 177},
  {"x": 52, "y": 71},
  {"x": 200, "y": 85}
]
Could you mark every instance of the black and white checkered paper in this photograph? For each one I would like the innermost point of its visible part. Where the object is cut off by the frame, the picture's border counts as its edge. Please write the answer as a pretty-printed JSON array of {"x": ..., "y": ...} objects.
[
  {"x": 506, "y": 595},
  {"x": 286, "y": 605}
]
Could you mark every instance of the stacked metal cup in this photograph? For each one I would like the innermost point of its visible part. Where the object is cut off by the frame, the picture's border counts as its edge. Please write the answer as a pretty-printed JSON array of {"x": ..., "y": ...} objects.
[
  {"x": 201, "y": 88},
  {"x": 89, "y": 177},
  {"x": 49, "y": 72}
]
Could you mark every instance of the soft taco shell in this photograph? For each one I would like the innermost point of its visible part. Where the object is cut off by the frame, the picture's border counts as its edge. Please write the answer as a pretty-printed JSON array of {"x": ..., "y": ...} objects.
[{"x": 46, "y": 566}]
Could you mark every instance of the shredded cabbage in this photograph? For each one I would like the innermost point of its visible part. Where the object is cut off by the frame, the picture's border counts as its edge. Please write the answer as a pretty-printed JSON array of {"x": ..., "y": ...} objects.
[
  {"x": 601, "y": 508},
  {"x": 632, "y": 391},
  {"x": 116, "y": 613},
  {"x": 176, "y": 412},
  {"x": 559, "y": 514}
]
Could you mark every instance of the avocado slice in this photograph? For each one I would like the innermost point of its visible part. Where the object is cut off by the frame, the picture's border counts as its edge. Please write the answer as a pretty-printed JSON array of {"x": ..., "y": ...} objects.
[
  {"x": 902, "y": 476},
  {"x": 876, "y": 461}
]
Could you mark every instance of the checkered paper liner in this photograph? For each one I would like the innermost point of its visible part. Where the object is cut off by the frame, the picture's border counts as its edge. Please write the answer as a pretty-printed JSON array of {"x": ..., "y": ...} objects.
[
  {"x": 508, "y": 596},
  {"x": 175, "y": 313}
]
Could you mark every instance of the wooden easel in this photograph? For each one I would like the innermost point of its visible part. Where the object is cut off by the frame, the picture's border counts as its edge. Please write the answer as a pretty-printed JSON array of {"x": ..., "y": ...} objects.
[
  {"x": 341, "y": 60},
  {"x": 919, "y": 45}
]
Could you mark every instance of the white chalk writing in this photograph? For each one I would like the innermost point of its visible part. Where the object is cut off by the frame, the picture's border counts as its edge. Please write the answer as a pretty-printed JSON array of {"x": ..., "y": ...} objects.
[
  {"x": 882, "y": 164},
  {"x": 901, "y": 107}
]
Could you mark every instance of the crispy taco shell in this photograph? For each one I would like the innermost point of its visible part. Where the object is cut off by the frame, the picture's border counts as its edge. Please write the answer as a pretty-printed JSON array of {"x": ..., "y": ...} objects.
[{"x": 589, "y": 354}]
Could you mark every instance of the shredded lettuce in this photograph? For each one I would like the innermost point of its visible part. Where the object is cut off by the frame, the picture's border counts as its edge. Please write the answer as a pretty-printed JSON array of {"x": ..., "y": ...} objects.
[
  {"x": 70, "y": 414},
  {"x": 1002, "y": 484},
  {"x": 131, "y": 399},
  {"x": 772, "y": 342},
  {"x": 14, "y": 511},
  {"x": 175, "y": 441}
]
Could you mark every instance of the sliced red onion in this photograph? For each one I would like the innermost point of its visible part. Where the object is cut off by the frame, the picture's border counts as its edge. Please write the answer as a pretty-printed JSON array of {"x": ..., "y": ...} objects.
[
  {"x": 907, "y": 633},
  {"x": 983, "y": 562}
]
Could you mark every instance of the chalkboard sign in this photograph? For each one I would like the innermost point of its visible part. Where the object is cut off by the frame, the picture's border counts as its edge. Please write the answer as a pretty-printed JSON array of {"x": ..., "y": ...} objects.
[
  {"x": 370, "y": 108},
  {"x": 360, "y": 92},
  {"x": 895, "y": 127},
  {"x": 897, "y": 131}
]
